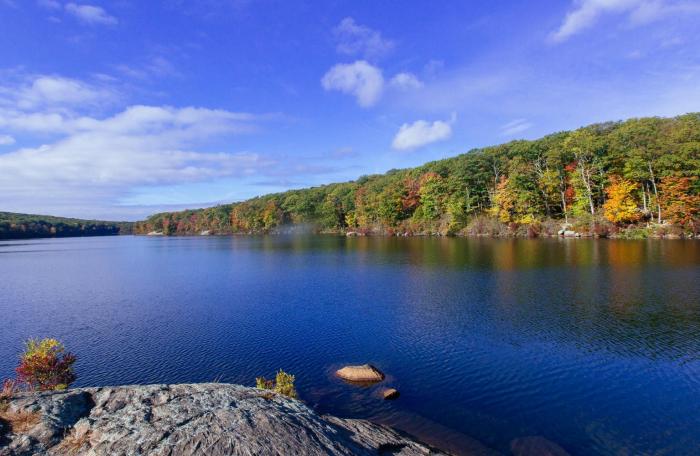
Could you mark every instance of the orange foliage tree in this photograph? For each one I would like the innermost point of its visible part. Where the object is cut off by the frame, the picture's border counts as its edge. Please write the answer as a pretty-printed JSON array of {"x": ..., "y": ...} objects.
[
  {"x": 620, "y": 207},
  {"x": 678, "y": 205}
]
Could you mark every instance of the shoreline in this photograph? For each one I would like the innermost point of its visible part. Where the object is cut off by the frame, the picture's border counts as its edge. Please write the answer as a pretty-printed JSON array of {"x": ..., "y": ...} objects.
[
  {"x": 426, "y": 235},
  {"x": 381, "y": 235},
  {"x": 187, "y": 419}
]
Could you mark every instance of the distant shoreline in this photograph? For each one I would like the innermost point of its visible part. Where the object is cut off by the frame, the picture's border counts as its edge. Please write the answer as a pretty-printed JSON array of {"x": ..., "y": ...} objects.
[
  {"x": 425, "y": 235},
  {"x": 366, "y": 235}
]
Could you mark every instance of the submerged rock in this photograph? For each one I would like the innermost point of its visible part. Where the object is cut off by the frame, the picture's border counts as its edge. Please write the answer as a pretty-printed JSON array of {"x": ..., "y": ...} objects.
[
  {"x": 360, "y": 374},
  {"x": 208, "y": 418},
  {"x": 390, "y": 393},
  {"x": 536, "y": 446}
]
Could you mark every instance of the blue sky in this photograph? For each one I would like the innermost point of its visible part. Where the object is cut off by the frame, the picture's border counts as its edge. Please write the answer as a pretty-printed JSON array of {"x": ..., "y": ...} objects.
[{"x": 124, "y": 108}]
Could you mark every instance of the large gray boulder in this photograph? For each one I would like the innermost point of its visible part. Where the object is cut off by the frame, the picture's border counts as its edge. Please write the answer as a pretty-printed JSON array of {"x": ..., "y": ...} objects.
[{"x": 188, "y": 419}]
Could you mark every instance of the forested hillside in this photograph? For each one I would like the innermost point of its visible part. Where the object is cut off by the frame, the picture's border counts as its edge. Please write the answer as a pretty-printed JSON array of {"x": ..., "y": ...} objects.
[
  {"x": 634, "y": 178},
  {"x": 24, "y": 226}
]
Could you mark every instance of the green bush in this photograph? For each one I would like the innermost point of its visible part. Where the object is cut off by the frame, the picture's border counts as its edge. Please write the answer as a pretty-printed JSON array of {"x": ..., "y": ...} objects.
[
  {"x": 283, "y": 384},
  {"x": 635, "y": 232}
]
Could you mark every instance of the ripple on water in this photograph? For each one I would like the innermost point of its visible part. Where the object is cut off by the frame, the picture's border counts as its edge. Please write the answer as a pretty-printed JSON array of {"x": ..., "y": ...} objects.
[{"x": 486, "y": 340}]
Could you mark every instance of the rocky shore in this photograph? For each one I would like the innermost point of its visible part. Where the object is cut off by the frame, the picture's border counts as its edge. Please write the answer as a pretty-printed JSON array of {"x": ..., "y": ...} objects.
[{"x": 186, "y": 419}]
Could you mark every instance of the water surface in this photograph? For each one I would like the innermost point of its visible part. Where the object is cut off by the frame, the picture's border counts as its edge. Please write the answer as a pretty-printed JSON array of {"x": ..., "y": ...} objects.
[{"x": 592, "y": 344}]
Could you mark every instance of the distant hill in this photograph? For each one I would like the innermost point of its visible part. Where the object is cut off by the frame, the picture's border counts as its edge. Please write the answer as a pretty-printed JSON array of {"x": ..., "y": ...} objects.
[
  {"x": 599, "y": 179},
  {"x": 26, "y": 226}
]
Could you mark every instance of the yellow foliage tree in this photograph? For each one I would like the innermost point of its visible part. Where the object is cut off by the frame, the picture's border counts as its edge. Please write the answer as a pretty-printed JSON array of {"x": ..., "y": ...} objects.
[
  {"x": 620, "y": 207},
  {"x": 504, "y": 200}
]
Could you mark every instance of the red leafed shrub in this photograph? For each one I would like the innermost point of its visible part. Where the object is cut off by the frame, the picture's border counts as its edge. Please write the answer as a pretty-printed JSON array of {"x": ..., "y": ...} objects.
[{"x": 46, "y": 365}]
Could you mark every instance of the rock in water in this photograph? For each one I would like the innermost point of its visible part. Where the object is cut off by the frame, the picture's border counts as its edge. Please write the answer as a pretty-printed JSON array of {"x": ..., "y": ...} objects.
[
  {"x": 360, "y": 374},
  {"x": 390, "y": 393},
  {"x": 536, "y": 446},
  {"x": 208, "y": 418}
]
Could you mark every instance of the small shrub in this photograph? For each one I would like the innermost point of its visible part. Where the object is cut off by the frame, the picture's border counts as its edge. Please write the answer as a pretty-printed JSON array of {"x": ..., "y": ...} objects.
[
  {"x": 550, "y": 227},
  {"x": 21, "y": 421},
  {"x": 602, "y": 229},
  {"x": 635, "y": 232},
  {"x": 482, "y": 225},
  {"x": 583, "y": 223},
  {"x": 263, "y": 383},
  {"x": 8, "y": 390},
  {"x": 670, "y": 231},
  {"x": 283, "y": 384},
  {"x": 73, "y": 442},
  {"x": 46, "y": 365}
]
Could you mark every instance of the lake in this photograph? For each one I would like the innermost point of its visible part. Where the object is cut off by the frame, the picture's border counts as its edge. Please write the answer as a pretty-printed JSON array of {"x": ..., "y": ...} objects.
[{"x": 593, "y": 344}]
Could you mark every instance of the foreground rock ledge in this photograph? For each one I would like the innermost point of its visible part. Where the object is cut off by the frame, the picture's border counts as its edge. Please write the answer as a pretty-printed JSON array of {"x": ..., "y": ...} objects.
[{"x": 188, "y": 419}]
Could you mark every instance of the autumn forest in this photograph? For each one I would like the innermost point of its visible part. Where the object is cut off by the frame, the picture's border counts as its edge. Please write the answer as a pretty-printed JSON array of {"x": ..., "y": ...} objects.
[{"x": 636, "y": 178}]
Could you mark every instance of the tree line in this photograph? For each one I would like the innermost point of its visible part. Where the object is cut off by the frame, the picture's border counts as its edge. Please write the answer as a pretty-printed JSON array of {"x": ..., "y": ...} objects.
[
  {"x": 606, "y": 178},
  {"x": 26, "y": 226}
]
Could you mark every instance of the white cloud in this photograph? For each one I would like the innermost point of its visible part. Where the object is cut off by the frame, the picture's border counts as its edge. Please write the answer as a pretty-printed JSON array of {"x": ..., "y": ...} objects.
[
  {"x": 54, "y": 91},
  {"x": 587, "y": 12},
  {"x": 96, "y": 162},
  {"x": 187, "y": 122},
  {"x": 359, "y": 79},
  {"x": 355, "y": 39},
  {"x": 90, "y": 14},
  {"x": 82, "y": 160},
  {"x": 421, "y": 133},
  {"x": 406, "y": 81},
  {"x": 514, "y": 127}
]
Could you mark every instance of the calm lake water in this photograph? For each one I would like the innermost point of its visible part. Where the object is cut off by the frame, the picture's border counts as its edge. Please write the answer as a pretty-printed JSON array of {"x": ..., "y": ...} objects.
[{"x": 592, "y": 344}]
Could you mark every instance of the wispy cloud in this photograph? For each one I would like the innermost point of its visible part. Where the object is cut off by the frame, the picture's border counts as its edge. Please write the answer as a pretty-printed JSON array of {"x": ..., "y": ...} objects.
[
  {"x": 360, "y": 79},
  {"x": 154, "y": 67},
  {"x": 586, "y": 13},
  {"x": 514, "y": 127},
  {"x": 109, "y": 154},
  {"x": 90, "y": 14},
  {"x": 344, "y": 152},
  {"x": 457, "y": 90},
  {"x": 421, "y": 133},
  {"x": 142, "y": 145},
  {"x": 406, "y": 81},
  {"x": 46, "y": 91},
  {"x": 355, "y": 39}
]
